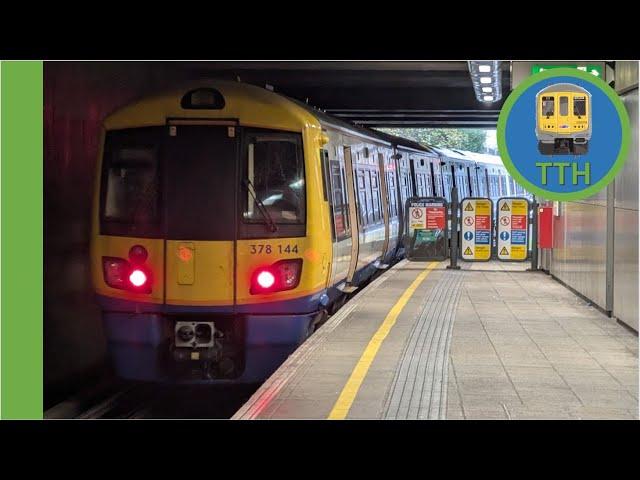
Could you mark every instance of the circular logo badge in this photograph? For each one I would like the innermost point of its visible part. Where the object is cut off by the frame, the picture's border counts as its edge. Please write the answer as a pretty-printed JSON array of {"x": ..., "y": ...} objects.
[{"x": 563, "y": 134}]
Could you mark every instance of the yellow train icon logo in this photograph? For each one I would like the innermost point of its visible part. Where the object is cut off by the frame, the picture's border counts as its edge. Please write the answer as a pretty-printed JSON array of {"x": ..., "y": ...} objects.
[{"x": 563, "y": 120}]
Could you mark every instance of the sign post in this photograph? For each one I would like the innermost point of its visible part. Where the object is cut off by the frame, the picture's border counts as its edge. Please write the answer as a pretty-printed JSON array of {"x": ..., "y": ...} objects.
[
  {"x": 512, "y": 229},
  {"x": 454, "y": 228},
  {"x": 477, "y": 221},
  {"x": 534, "y": 236}
]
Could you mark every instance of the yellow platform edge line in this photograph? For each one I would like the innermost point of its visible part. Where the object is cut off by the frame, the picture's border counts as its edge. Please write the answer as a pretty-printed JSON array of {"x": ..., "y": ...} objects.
[{"x": 347, "y": 396}]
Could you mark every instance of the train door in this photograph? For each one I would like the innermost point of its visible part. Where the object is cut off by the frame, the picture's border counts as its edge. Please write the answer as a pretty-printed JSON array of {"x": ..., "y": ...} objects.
[
  {"x": 353, "y": 214},
  {"x": 200, "y": 226},
  {"x": 564, "y": 116},
  {"x": 384, "y": 196}
]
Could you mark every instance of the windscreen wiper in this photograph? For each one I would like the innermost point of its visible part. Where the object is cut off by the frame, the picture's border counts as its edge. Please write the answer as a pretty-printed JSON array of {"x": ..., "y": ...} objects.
[{"x": 261, "y": 207}]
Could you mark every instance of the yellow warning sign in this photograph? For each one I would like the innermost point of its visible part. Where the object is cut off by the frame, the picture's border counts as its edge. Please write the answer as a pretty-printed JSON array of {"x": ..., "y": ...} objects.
[
  {"x": 519, "y": 207},
  {"x": 504, "y": 251},
  {"x": 518, "y": 252},
  {"x": 468, "y": 251},
  {"x": 483, "y": 207},
  {"x": 505, "y": 207},
  {"x": 469, "y": 207},
  {"x": 483, "y": 252}
]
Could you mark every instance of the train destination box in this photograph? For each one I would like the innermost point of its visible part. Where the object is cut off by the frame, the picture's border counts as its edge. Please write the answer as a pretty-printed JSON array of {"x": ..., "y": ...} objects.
[
  {"x": 476, "y": 220},
  {"x": 512, "y": 229},
  {"x": 427, "y": 228}
]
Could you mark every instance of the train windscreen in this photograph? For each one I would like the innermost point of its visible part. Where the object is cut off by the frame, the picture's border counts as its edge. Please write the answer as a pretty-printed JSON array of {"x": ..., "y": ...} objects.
[{"x": 176, "y": 182}]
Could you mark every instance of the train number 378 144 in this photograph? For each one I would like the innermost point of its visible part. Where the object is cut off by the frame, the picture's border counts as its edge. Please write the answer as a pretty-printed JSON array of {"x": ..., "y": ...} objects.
[{"x": 262, "y": 248}]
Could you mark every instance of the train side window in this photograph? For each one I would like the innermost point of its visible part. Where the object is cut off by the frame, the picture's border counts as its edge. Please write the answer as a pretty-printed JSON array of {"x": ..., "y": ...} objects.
[
  {"x": 393, "y": 208},
  {"x": 548, "y": 105},
  {"x": 369, "y": 196},
  {"x": 564, "y": 106}
]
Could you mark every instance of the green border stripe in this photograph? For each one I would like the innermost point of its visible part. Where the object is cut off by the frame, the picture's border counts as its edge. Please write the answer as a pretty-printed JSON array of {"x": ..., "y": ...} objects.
[{"x": 21, "y": 252}]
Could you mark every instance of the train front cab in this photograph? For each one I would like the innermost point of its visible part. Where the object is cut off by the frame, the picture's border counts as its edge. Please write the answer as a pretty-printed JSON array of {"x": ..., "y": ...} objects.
[{"x": 209, "y": 249}]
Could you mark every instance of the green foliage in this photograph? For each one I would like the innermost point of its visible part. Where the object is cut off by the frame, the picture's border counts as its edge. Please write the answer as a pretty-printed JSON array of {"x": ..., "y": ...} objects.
[{"x": 472, "y": 139}]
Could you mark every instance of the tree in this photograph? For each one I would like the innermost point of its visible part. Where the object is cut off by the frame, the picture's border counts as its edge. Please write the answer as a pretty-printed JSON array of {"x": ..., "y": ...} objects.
[{"x": 471, "y": 139}]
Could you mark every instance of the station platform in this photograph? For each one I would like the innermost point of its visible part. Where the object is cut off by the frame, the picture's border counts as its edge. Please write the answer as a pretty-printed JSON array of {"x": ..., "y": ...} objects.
[{"x": 488, "y": 341}]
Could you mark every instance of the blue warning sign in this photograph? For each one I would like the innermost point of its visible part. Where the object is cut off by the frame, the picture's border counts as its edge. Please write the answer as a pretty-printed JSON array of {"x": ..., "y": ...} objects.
[
  {"x": 504, "y": 236},
  {"x": 483, "y": 237},
  {"x": 518, "y": 237},
  {"x": 468, "y": 236}
]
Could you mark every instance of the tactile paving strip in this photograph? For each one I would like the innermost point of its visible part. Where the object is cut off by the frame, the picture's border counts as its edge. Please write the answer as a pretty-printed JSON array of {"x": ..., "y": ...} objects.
[{"x": 419, "y": 388}]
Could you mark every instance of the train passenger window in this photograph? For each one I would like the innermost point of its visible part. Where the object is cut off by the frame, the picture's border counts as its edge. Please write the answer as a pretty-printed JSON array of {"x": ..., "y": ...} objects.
[
  {"x": 548, "y": 106},
  {"x": 275, "y": 167},
  {"x": 564, "y": 106},
  {"x": 391, "y": 187},
  {"x": 579, "y": 106}
]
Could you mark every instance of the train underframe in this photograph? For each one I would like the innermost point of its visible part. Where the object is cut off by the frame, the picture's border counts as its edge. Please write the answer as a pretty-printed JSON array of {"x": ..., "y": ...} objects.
[
  {"x": 240, "y": 348},
  {"x": 564, "y": 146}
]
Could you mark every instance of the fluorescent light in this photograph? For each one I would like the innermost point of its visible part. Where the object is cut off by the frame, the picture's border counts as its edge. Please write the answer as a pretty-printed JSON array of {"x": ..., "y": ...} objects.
[
  {"x": 487, "y": 89},
  {"x": 485, "y": 79},
  {"x": 484, "y": 68},
  {"x": 488, "y": 98},
  {"x": 594, "y": 72}
]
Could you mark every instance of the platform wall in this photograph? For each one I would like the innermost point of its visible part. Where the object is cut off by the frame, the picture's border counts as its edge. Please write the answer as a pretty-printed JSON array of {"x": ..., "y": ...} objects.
[{"x": 602, "y": 263}]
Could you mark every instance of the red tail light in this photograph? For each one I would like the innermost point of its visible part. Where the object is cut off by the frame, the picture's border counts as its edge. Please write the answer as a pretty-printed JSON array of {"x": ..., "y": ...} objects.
[
  {"x": 137, "y": 278},
  {"x": 282, "y": 275},
  {"x": 119, "y": 273}
]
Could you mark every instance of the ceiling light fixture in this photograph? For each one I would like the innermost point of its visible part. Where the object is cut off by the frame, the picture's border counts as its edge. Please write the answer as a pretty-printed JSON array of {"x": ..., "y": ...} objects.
[{"x": 486, "y": 78}]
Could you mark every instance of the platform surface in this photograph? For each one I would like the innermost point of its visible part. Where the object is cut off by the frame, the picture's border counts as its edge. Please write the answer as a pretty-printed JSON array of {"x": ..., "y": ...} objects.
[{"x": 489, "y": 341}]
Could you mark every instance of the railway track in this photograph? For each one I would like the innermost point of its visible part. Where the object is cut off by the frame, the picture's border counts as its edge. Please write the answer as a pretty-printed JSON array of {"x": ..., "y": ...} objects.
[{"x": 147, "y": 401}]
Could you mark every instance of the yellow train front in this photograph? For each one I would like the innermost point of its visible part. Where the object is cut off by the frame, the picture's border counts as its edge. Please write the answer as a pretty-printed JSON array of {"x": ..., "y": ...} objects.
[
  {"x": 563, "y": 120},
  {"x": 211, "y": 243}
]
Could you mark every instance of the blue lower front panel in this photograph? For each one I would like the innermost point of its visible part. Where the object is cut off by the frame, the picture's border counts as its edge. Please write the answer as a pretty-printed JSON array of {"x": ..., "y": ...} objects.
[{"x": 141, "y": 346}]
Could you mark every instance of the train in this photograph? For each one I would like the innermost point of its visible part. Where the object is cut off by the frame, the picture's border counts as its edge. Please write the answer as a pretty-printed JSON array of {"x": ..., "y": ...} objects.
[
  {"x": 229, "y": 221},
  {"x": 563, "y": 119}
]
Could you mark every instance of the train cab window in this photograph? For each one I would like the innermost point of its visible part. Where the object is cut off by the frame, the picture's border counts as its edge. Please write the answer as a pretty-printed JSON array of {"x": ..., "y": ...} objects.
[
  {"x": 564, "y": 106},
  {"x": 579, "y": 106},
  {"x": 275, "y": 169},
  {"x": 548, "y": 105},
  {"x": 131, "y": 190}
]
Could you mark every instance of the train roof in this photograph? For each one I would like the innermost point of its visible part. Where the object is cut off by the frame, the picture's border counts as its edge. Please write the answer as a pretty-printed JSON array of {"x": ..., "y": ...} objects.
[
  {"x": 248, "y": 103},
  {"x": 563, "y": 87},
  {"x": 406, "y": 143}
]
